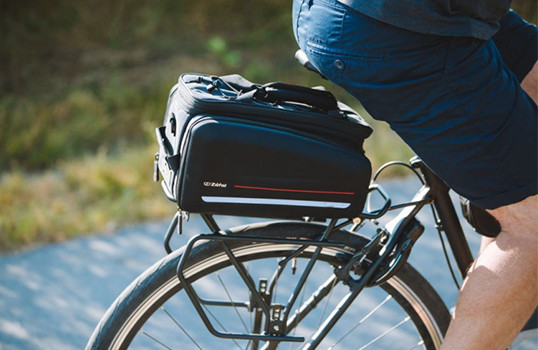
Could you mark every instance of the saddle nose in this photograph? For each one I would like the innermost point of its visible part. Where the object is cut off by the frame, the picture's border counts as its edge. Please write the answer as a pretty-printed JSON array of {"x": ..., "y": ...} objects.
[{"x": 300, "y": 56}]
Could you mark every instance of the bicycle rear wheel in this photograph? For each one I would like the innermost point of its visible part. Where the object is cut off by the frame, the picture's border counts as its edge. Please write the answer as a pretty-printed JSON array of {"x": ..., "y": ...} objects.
[{"x": 154, "y": 312}]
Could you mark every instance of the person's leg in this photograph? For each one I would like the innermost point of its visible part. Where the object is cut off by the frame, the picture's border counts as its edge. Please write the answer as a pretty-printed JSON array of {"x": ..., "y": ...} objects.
[
  {"x": 530, "y": 83},
  {"x": 485, "y": 242},
  {"x": 499, "y": 294},
  {"x": 530, "y": 86},
  {"x": 508, "y": 266}
]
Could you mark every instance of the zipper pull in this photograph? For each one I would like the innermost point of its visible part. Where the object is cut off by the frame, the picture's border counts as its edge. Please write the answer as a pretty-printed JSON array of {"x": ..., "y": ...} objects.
[{"x": 215, "y": 85}]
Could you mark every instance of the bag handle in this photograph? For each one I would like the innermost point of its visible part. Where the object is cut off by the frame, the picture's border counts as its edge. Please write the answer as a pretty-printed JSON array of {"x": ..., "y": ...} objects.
[{"x": 280, "y": 92}]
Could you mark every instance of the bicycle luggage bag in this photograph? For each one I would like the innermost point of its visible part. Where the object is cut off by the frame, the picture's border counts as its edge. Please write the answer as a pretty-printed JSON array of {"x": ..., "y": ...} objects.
[{"x": 228, "y": 146}]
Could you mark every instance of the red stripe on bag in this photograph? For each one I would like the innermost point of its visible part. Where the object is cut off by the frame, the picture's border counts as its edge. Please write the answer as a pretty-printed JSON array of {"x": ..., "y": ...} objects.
[{"x": 292, "y": 190}]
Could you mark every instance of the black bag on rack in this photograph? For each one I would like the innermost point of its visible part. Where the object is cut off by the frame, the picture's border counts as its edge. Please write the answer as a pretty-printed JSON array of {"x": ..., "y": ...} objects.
[{"x": 229, "y": 146}]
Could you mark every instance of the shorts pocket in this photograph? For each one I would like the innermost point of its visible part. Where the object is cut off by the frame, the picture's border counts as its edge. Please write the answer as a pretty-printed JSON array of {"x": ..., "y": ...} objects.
[{"x": 335, "y": 64}]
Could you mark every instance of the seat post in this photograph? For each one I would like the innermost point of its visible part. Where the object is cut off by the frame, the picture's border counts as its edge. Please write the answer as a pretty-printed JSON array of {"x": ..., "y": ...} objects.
[{"x": 448, "y": 218}]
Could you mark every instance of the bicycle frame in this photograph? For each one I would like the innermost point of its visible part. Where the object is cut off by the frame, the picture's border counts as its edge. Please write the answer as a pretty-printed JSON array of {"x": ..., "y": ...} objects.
[
  {"x": 398, "y": 238},
  {"x": 448, "y": 219}
]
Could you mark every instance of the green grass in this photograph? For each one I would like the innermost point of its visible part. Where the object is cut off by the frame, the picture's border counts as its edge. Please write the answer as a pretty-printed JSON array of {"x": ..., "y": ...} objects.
[
  {"x": 90, "y": 195},
  {"x": 35, "y": 134}
]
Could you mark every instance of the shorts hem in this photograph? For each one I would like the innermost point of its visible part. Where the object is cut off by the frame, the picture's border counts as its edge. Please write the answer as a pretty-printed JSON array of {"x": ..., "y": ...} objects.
[{"x": 509, "y": 197}]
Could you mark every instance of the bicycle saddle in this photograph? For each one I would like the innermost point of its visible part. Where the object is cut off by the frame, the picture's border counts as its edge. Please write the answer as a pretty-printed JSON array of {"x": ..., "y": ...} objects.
[{"x": 300, "y": 55}]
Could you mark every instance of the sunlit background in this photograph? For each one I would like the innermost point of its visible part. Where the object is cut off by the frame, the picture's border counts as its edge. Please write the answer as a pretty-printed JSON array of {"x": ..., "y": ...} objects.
[{"x": 83, "y": 84}]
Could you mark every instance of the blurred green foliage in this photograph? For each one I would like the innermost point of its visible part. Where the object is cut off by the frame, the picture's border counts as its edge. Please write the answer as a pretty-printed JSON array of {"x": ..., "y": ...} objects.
[
  {"x": 64, "y": 39},
  {"x": 79, "y": 75},
  {"x": 76, "y": 76}
]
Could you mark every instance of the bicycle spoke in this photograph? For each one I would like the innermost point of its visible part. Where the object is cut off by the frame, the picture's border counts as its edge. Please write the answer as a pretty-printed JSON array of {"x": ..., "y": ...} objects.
[
  {"x": 302, "y": 303},
  {"x": 219, "y": 323},
  {"x": 272, "y": 286},
  {"x": 231, "y": 301},
  {"x": 251, "y": 314},
  {"x": 420, "y": 344},
  {"x": 327, "y": 303},
  {"x": 362, "y": 320},
  {"x": 155, "y": 340},
  {"x": 405, "y": 320},
  {"x": 182, "y": 329},
  {"x": 311, "y": 303}
]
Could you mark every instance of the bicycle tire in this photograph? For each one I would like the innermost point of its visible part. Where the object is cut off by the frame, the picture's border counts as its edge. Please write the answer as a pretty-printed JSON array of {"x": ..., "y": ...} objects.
[{"x": 158, "y": 284}]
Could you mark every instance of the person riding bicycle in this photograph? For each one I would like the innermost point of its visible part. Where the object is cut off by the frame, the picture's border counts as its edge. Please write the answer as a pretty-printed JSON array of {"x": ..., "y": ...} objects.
[{"x": 457, "y": 80}]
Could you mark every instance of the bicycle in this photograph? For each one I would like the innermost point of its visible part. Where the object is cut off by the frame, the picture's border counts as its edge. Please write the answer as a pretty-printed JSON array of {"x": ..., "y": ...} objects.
[{"x": 366, "y": 295}]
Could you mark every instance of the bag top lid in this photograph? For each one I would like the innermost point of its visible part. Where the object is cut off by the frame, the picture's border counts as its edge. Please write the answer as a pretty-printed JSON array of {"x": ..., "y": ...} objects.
[{"x": 303, "y": 102}]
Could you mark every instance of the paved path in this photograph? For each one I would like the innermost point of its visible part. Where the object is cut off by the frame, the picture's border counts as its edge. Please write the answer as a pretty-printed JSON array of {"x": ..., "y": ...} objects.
[{"x": 51, "y": 297}]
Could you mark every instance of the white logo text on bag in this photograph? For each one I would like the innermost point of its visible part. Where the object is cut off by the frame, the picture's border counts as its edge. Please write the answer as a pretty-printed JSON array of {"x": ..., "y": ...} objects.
[{"x": 215, "y": 184}]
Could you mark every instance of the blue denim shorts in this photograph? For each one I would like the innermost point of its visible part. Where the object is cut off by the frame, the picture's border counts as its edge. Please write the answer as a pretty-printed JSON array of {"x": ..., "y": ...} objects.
[{"x": 456, "y": 101}]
